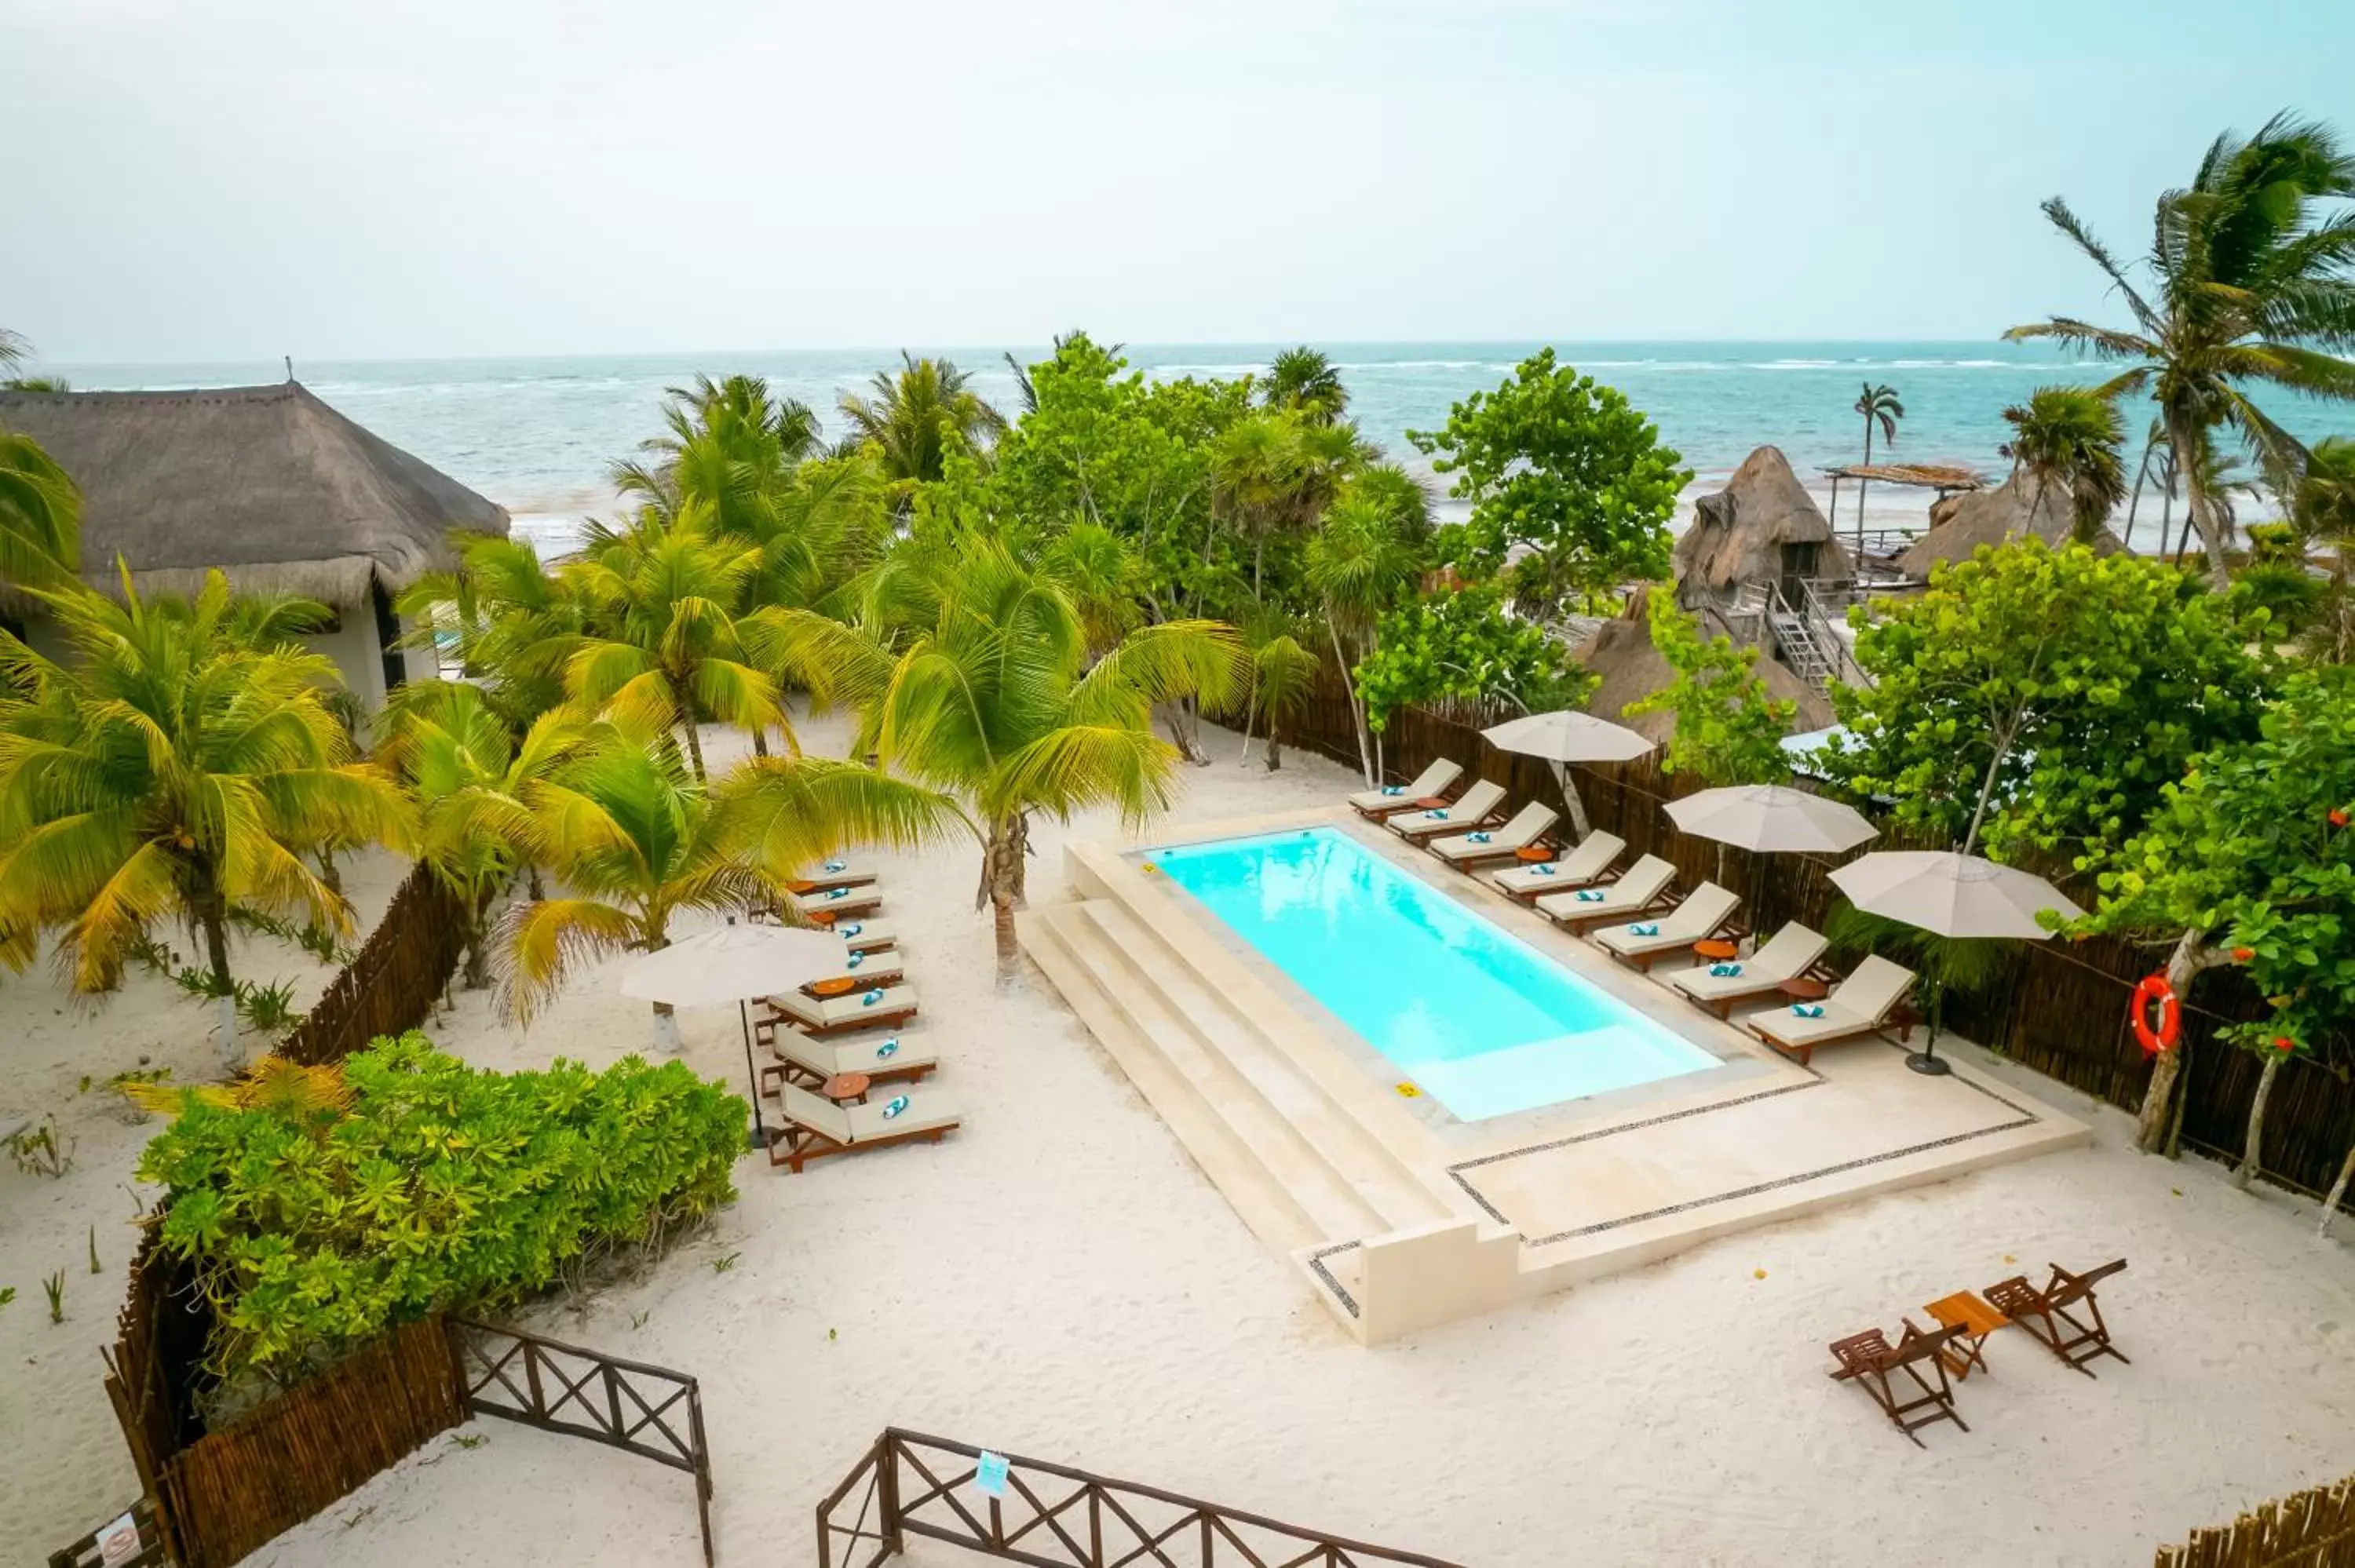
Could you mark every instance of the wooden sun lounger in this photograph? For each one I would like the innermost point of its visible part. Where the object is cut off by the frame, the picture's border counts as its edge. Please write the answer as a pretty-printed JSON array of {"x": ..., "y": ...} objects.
[
  {"x": 1431, "y": 783},
  {"x": 1790, "y": 954},
  {"x": 1705, "y": 912},
  {"x": 807, "y": 1062},
  {"x": 883, "y": 969},
  {"x": 841, "y": 1015},
  {"x": 1872, "y": 1363},
  {"x": 2045, "y": 1314},
  {"x": 816, "y": 1127},
  {"x": 864, "y": 934},
  {"x": 1581, "y": 867},
  {"x": 1529, "y": 825},
  {"x": 1645, "y": 885},
  {"x": 835, "y": 872},
  {"x": 1480, "y": 806},
  {"x": 1865, "y": 1003},
  {"x": 837, "y": 904}
]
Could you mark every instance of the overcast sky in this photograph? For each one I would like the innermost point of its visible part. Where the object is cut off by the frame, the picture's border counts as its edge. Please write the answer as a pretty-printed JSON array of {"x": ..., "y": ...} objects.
[{"x": 192, "y": 179}]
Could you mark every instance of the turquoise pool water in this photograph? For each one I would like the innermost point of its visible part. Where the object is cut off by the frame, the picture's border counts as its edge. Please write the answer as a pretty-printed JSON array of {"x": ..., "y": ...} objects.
[{"x": 1476, "y": 1017}]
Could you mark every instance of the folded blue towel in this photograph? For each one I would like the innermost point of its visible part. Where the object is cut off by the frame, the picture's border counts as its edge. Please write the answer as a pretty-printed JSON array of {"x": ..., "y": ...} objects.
[
  {"x": 1590, "y": 896},
  {"x": 1393, "y": 789},
  {"x": 888, "y": 1049},
  {"x": 894, "y": 1105},
  {"x": 1725, "y": 972},
  {"x": 1645, "y": 929},
  {"x": 870, "y": 999},
  {"x": 1437, "y": 814},
  {"x": 838, "y": 865},
  {"x": 838, "y": 893},
  {"x": 855, "y": 960},
  {"x": 1475, "y": 837},
  {"x": 1543, "y": 868},
  {"x": 852, "y": 930},
  {"x": 1806, "y": 1009}
]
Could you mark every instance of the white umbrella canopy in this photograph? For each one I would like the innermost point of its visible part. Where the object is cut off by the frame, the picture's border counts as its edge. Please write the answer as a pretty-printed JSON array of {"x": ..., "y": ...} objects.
[
  {"x": 732, "y": 963},
  {"x": 1952, "y": 895},
  {"x": 1565, "y": 737},
  {"x": 1770, "y": 819}
]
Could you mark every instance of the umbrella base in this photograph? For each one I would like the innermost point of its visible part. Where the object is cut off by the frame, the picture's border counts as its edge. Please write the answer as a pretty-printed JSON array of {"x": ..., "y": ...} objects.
[{"x": 1934, "y": 1066}]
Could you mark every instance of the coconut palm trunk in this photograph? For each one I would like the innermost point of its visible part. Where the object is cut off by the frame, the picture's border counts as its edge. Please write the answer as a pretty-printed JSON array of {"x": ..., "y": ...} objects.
[
  {"x": 2185, "y": 436},
  {"x": 1001, "y": 888},
  {"x": 212, "y": 919}
]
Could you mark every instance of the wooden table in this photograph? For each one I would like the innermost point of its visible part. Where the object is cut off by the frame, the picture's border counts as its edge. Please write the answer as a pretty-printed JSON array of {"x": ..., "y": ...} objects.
[
  {"x": 840, "y": 985},
  {"x": 1431, "y": 802},
  {"x": 1799, "y": 988},
  {"x": 845, "y": 1088},
  {"x": 1977, "y": 1320},
  {"x": 1717, "y": 951},
  {"x": 1533, "y": 854}
]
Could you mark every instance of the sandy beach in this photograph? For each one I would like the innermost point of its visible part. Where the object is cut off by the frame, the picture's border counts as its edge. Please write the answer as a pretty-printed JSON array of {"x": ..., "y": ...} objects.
[{"x": 1059, "y": 1280}]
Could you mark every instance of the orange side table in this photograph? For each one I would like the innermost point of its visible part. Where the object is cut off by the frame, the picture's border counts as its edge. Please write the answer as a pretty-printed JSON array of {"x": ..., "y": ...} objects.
[
  {"x": 840, "y": 985},
  {"x": 1533, "y": 854},
  {"x": 1716, "y": 952}
]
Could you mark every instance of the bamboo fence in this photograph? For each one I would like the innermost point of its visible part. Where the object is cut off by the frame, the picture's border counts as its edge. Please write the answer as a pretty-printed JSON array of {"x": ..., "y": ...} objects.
[
  {"x": 2315, "y": 1528},
  {"x": 391, "y": 984}
]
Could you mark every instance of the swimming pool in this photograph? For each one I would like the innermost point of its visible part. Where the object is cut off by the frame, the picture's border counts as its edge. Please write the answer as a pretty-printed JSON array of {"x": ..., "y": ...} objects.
[{"x": 1476, "y": 1017}]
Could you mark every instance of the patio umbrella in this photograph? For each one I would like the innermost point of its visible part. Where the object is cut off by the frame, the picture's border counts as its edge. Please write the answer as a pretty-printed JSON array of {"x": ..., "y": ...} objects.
[
  {"x": 735, "y": 963},
  {"x": 1769, "y": 819},
  {"x": 1563, "y": 737},
  {"x": 1951, "y": 894}
]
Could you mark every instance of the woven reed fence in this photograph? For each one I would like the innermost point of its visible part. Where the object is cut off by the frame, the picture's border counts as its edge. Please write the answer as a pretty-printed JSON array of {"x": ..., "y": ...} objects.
[
  {"x": 2315, "y": 1528},
  {"x": 2062, "y": 1009},
  {"x": 392, "y": 982}
]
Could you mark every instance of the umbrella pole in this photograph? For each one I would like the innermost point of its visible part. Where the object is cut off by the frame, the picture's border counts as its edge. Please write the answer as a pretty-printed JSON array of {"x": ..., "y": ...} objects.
[
  {"x": 1578, "y": 822},
  {"x": 751, "y": 1077},
  {"x": 1927, "y": 1060}
]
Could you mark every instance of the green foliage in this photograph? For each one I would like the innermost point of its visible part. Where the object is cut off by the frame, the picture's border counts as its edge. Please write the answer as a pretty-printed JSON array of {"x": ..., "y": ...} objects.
[
  {"x": 1729, "y": 730},
  {"x": 915, "y": 420},
  {"x": 94, "y": 1266},
  {"x": 2253, "y": 849},
  {"x": 1965, "y": 965},
  {"x": 1460, "y": 648},
  {"x": 2058, "y": 692},
  {"x": 1554, "y": 461},
  {"x": 42, "y": 1148},
  {"x": 40, "y": 516},
  {"x": 2072, "y": 440},
  {"x": 438, "y": 1187},
  {"x": 54, "y": 1287}
]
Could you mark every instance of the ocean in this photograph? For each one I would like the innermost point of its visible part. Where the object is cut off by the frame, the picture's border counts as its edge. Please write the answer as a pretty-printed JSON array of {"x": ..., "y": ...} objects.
[{"x": 538, "y": 434}]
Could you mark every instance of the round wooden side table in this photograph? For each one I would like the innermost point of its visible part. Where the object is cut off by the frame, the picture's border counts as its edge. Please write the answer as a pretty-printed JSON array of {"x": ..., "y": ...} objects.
[
  {"x": 1801, "y": 988},
  {"x": 1533, "y": 854},
  {"x": 846, "y": 1088},
  {"x": 840, "y": 985},
  {"x": 1717, "y": 951}
]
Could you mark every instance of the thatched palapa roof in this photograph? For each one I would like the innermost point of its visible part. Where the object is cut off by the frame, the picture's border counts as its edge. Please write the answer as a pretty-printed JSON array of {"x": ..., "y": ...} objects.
[
  {"x": 268, "y": 484},
  {"x": 1621, "y": 652},
  {"x": 1737, "y": 535},
  {"x": 1922, "y": 475},
  {"x": 2015, "y": 509}
]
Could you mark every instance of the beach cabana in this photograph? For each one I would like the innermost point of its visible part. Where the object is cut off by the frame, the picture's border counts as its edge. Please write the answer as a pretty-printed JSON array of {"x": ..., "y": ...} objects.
[
  {"x": 1762, "y": 531},
  {"x": 281, "y": 492},
  {"x": 2016, "y": 509}
]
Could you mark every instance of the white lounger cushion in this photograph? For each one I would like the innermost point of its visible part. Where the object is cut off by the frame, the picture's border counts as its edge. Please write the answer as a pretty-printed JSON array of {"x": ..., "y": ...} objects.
[
  {"x": 876, "y": 969},
  {"x": 1863, "y": 1001},
  {"x": 870, "y": 934},
  {"x": 1576, "y": 869},
  {"x": 854, "y": 1125},
  {"x": 1428, "y": 782},
  {"x": 854, "y": 902},
  {"x": 854, "y": 873},
  {"x": 1696, "y": 919},
  {"x": 843, "y": 1009},
  {"x": 1645, "y": 882},
  {"x": 1466, "y": 812},
  {"x": 828, "y": 1058},
  {"x": 1785, "y": 957},
  {"x": 1529, "y": 824}
]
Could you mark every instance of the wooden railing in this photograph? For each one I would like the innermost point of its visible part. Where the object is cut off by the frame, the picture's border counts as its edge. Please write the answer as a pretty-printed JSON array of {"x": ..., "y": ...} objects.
[
  {"x": 89, "y": 1552},
  {"x": 649, "y": 1411},
  {"x": 393, "y": 981},
  {"x": 2314, "y": 1529},
  {"x": 1052, "y": 1516}
]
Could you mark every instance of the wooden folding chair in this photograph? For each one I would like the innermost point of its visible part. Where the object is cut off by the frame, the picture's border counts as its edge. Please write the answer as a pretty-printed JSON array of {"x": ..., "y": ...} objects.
[
  {"x": 1870, "y": 1361},
  {"x": 2045, "y": 1313}
]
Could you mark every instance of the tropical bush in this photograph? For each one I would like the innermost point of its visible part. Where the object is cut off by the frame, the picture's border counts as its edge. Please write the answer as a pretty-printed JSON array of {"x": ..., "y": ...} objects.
[
  {"x": 1461, "y": 650},
  {"x": 1730, "y": 727},
  {"x": 321, "y": 1207}
]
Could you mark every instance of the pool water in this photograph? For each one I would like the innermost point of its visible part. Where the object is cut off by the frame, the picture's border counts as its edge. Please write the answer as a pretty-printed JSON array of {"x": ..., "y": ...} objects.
[{"x": 1473, "y": 1015}]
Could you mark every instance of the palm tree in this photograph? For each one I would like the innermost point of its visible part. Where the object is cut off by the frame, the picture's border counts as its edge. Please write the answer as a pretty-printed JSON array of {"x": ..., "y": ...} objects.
[
  {"x": 2252, "y": 288},
  {"x": 15, "y": 349},
  {"x": 172, "y": 767},
  {"x": 40, "y": 515},
  {"x": 1364, "y": 559},
  {"x": 2068, "y": 437},
  {"x": 915, "y": 418},
  {"x": 637, "y": 839},
  {"x": 1280, "y": 673},
  {"x": 1880, "y": 407},
  {"x": 2323, "y": 509},
  {"x": 1303, "y": 381}
]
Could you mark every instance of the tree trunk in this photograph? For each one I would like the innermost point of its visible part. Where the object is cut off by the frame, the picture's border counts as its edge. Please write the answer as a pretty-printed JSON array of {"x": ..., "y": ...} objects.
[
  {"x": 2198, "y": 502},
  {"x": 329, "y": 872},
  {"x": 478, "y": 958},
  {"x": 1356, "y": 708},
  {"x": 759, "y": 740},
  {"x": 2337, "y": 1191},
  {"x": 2191, "y": 956},
  {"x": 2253, "y": 1155},
  {"x": 531, "y": 881},
  {"x": 1001, "y": 890},
  {"x": 667, "y": 1039},
  {"x": 1179, "y": 717},
  {"x": 212, "y": 916},
  {"x": 1274, "y": 747},
  {"x": 1862, "y": 484},
  {"x": 694, "y": 746}
]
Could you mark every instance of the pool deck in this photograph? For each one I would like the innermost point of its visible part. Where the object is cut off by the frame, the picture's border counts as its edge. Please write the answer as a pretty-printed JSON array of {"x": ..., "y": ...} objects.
[{"x": 1400, "y": 1215}]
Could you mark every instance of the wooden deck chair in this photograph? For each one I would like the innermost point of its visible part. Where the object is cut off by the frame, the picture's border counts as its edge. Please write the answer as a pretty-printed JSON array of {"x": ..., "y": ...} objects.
[
  {"x": 1791, "y": 953},
  {"x": 815, "y": 1128},
  {"x": 1707, "y": 910},
  {"x": 1478, "y": 807},
  {"x": 867, "y": 935},
  {"x": 834, "y": 872},
  {"x": 1468, "y": 851},
  {"x": 1582, "y": 867},
  {"x": 878, "y": 1007},
  {"x": 1644, "y": 886},
  {"x": 1907, "y": 1379},
  {"x": 829, "y": 904},
  {"x": 2045, "y": 1313},
  {"x": 1865, "y": 1003},
  {"x": 882, "y": 969},
  {"x": 807, "y": 1062},
  {"x": 1392, "y": 798}
]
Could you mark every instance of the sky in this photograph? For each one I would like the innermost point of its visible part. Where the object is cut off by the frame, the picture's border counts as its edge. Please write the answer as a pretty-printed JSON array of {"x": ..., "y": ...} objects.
[{"x": 217, "y": 179}]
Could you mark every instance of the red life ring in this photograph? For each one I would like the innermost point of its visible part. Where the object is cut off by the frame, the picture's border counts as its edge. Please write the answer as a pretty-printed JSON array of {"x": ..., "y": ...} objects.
[{"x": 2154, "y": 988}]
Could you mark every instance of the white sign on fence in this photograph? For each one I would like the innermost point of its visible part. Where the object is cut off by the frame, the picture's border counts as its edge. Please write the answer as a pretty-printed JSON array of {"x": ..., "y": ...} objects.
[{"x": 119, "y": 1541}]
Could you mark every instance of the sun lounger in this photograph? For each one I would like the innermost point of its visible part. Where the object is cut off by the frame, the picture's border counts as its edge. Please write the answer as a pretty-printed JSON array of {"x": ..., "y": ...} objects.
[
  {"x": 1477, "y": 808},
  {"x": 816, "y": 1126},
  {"x": 1643, "y": 943},
  {"x": 1641, "y": 887},
  {"x": 835, "y": 872},
  {"x": 1468, "y": 851},
  {"x": 1580, "y": 867},
  {"x": 1859, "y": 1005},
  {"x": 1392, "y": 799},
  {"x": 807, "y": 1062},
  {"x": 864, "y": 934},
  {"x": 1792, "y": 952},
  {"x": 1873, "y": 1364},
  {"x": 879, "y": 970},
  {"x": 868, "y": 1008},
  {"x": 2045, "y": 1313},
  {"x": 837, "y": 904}
]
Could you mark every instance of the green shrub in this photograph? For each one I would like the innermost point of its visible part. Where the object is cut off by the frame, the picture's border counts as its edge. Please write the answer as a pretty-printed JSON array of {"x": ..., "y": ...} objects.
[{"x": 317, "y": 1219}]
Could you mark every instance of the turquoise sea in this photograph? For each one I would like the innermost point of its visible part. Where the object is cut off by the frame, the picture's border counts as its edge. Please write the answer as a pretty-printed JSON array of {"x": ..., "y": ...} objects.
[{"x": 537, "y": 434}]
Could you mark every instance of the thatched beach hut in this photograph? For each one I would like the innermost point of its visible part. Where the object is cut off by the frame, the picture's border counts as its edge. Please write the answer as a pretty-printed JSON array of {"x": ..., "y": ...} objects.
[
  {"x": 269, "y": 485},
  {"x": 1763, "y": 530},
  {"x": 2018, "y": 508},
  {"x": 1621, "y": 652}
]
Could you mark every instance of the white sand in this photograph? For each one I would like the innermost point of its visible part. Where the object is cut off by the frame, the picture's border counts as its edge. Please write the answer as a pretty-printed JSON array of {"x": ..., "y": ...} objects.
[{"x": 1059, "y": 1280}]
